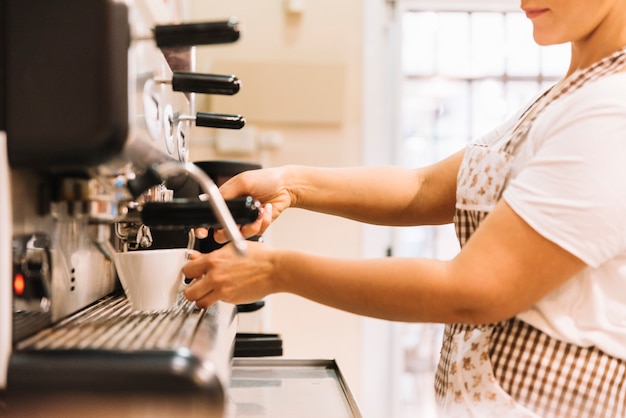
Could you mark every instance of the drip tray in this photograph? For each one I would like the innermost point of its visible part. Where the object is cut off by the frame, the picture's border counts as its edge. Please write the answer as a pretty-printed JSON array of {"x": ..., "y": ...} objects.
[
  {"x": 128, "y": 363},
  {"x": 286, "y": 388},
  {"x": 111, "y": 324}
]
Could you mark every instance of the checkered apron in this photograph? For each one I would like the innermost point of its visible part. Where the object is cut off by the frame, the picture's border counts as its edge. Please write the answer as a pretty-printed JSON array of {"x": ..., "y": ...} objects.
[{"x": 511, "y": 369}]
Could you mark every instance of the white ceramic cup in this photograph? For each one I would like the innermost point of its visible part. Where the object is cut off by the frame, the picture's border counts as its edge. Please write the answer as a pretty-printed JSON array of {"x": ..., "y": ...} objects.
[{"x": 151, "y": 279}]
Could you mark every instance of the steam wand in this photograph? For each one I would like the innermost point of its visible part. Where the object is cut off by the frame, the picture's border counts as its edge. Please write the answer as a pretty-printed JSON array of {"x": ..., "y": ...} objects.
[{"x": 225, "y": 218}]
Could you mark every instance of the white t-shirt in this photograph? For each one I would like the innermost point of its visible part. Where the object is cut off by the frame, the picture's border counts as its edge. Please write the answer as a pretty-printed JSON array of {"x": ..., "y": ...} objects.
[{"x": 568, "y": 182}]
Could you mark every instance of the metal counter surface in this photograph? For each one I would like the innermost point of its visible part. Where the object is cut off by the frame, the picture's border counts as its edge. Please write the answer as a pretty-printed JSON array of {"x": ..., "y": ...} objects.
[{"x": 285, "y": 388}]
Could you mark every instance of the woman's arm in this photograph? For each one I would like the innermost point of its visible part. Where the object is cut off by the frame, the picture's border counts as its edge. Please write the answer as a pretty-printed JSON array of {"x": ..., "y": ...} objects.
[
  {"x": 502, "y": 270},
  {"x": 378, "y": 195}
]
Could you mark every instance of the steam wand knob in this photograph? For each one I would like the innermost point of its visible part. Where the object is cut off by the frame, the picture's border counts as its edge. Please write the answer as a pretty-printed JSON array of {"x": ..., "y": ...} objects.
[
  {"x": 190, "y": 82},
  {"x": 192, "y": 34},
  {"x": 216, "y": 120}
]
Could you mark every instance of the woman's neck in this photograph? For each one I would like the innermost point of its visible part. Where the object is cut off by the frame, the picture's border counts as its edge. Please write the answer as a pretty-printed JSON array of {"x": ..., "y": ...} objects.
[{"x": 608, "y": 37}]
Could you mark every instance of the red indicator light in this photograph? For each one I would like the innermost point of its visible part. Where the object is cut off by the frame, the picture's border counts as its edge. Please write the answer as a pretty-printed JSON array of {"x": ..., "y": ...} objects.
[{"x": 19, "y": 284}]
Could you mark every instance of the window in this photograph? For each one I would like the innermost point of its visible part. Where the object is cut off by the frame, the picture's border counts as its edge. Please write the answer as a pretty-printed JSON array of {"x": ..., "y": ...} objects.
[{"x": 463, "y": 73}]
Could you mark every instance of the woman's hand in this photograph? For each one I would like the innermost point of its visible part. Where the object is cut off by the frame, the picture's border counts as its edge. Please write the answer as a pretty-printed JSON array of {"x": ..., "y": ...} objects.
[
  {"x": 253, "y": 229},
  {"x": 224, "y": 275},
  {"x": 268, "y": 187}
]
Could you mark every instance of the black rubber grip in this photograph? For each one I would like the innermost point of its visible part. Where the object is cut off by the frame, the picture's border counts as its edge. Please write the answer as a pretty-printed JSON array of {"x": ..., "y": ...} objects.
[
  {"x": 143, "y": 182},
  {"x": 191, "y": 34},
  {"x": 220, "y": 120},
  {"x": 205, "y": 83},
  {"x": 194, "y": 213}
]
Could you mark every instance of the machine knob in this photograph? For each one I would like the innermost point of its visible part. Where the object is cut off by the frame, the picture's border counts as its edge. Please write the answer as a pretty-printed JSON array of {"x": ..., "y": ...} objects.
[
  {"x": 143, "y": 182},
  {"x": 192, "y": 34},
  {"x": 220, "y": 120},
  {"x": 205, "y": 83}
]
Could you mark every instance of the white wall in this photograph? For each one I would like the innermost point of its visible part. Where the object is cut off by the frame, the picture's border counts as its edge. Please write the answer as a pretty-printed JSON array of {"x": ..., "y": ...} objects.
[{"x": 326, "y": 32}]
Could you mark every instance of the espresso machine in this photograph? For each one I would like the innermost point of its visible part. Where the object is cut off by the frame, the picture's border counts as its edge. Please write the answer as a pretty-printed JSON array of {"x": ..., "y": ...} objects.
[{"x": 96, "y": 105}]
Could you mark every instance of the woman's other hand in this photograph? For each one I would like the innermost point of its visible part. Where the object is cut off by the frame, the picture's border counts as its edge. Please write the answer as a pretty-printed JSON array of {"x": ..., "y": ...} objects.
[{"x": 224, "y": 275}]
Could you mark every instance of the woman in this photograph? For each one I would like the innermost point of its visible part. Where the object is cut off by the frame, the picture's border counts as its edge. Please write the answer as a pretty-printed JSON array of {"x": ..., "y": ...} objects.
[{"x": 535, "y": 302}]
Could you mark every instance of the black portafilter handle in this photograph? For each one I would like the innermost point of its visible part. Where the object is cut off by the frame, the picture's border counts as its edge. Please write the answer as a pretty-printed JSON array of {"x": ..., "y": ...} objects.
[
  {"x": 220, "y": 120},
  {"x": 187, "y": 213},
  {"x": 205, "y": 83},
  {"x": 192, "y": 34}
]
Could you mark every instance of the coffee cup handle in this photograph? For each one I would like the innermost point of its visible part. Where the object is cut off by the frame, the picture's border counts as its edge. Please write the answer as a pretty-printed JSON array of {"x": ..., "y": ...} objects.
[{"x": 185, "y": 282}]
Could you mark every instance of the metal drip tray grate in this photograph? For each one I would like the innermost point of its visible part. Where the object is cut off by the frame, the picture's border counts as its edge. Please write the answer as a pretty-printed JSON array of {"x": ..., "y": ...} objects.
[
  {"x": 111, "y": 324},
  {"x": 117, "y": 361}
]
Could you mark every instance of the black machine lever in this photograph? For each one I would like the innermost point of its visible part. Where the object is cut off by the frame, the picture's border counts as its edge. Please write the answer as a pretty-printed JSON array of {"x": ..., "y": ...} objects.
[
  {"x": 216, "y": 120},
  {"x": 205, "y": 83},
  {"x": 220, "y": 120},
  {"x": 192, "y": 34}
]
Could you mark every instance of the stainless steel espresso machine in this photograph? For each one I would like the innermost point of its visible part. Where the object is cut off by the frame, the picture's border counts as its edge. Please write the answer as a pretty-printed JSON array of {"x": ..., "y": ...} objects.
[{"x": 96, "y": 105}]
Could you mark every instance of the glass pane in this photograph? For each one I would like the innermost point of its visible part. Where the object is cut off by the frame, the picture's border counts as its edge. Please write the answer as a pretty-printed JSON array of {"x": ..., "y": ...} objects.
[
  {"x": 488, "y": 106},
  {"x": 522, "y": 52},
  {"x": 487, "y": 37},
  {"x": 555, "y": 60},
  {"x": 414, "y": 242},
  {"x": 453, "y": 46},
  {"x": 453, "y": 117},
  {"x": 419, "y": 112},
  {"x": 419, "y": 32},
  {"x": 520, "y": 93}
]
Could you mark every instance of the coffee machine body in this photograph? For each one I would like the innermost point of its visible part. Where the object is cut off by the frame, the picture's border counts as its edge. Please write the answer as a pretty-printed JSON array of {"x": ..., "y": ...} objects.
[
  {"x": 76, "y": 90},
  {"x": 90, "y": 131}
]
